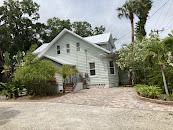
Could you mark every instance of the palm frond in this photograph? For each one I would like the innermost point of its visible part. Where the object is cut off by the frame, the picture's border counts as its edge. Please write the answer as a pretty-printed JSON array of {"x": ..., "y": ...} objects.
[{"x": 66, "y": 71}]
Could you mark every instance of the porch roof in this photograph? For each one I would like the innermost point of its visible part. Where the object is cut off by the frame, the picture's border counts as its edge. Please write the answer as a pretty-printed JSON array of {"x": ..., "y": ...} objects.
[{"x": 59, "y": 60}]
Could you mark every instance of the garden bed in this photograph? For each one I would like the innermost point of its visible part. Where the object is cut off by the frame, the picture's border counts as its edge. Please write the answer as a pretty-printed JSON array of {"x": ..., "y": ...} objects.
[
  {"x": 154, "y": 100},
  {"x": 28, "y": 98}
]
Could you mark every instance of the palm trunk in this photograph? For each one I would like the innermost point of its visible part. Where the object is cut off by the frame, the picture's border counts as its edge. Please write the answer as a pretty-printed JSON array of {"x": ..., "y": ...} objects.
[
  {"x": 164, "y": 80},
  {"x": 132, "y": 26}
]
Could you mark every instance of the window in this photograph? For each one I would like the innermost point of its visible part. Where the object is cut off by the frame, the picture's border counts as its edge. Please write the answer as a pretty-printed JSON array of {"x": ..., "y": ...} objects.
[
  {"x": 68, "y": 48},
  {"x": 92, "y": 69},
  {"x": 58, "y": 49},
  {"x": 78, "y": 46},
  {"x": 112, "y": 67}
]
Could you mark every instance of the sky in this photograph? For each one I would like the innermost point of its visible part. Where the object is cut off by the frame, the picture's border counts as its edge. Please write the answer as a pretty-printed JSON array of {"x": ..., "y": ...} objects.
[{"x": 103, "y": 12}]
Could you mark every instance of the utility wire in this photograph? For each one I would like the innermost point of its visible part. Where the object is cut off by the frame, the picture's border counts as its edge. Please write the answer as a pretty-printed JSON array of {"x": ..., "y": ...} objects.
[
  {"x": 167, "y": 29},
  {"x": 123, "y": 35},
  {"x": 158, "y": 9},
  {"x": 169, "y": 22},
  {"x": 160, "y": 14},
  {"x": 147, "y": 19},
  {"x": 166, "y": 14}
]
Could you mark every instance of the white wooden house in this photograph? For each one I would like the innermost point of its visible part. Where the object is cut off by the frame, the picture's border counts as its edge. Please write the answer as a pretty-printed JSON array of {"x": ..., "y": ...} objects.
[{"x": 90, "y": 55}]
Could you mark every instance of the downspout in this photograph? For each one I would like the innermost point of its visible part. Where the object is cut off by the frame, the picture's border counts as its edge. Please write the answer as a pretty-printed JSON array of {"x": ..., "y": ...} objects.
[{"x": 86, "y": 59}]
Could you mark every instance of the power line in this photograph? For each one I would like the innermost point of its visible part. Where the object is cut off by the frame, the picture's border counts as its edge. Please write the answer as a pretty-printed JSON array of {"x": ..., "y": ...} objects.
[
  {"x": 160, "y": 15},
  {"x": 158, "y": 9},
  {"x": 123, "y": 35},
  {"x": 166, "y": 14},
  {"x": 167, "y": 29},
  {"x": 147, "y": 19},
  {"x": 169, "y": 22}
]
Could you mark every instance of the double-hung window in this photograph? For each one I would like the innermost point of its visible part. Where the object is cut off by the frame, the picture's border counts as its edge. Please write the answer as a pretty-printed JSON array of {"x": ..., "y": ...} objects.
[
  {"x": 68, "y": 48},
  {"x": 112, "y": 67},
  {"x": 92, "y": 69},
  {"x": 77, "y": 46},
  {"x": 58, "y": 49}
]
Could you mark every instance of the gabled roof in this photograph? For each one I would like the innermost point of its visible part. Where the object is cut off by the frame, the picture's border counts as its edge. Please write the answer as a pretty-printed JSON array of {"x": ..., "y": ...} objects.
[
  {"x": 41, "y": 48},
  {"x": 59, "y": 60},
  {"x": 102, "y": 38},
  {"x": 60, "y": 35}
]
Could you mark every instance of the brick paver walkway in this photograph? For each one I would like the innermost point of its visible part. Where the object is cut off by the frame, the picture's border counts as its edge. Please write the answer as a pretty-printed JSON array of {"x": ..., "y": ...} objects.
[{"x": 112, "y": 97}]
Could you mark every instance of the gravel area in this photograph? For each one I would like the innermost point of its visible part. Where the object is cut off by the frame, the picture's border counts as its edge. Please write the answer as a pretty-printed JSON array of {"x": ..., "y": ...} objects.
[{"x": 60, "y": 116}]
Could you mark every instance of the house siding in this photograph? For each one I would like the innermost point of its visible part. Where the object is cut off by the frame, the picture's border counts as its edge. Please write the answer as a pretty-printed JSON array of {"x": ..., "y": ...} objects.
[{"x": 81, "y": 59}]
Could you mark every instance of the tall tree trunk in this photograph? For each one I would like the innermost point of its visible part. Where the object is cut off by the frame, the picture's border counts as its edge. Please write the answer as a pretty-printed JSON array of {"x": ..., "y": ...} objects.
[
  {"x": 132, "y": 25},
  {"x": 164, "y": 80},
  {"x": 145, "y": 79},
  {"x": 130, "y": 80},
  {"x": 64, "y": 87},
  {"x": 132, "y": 28}
]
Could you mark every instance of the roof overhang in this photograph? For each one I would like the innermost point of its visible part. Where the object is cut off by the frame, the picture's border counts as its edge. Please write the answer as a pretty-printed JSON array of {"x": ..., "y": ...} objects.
[
  {"x": 59, "y": 60},
  {"x": 112, "y": 55}
]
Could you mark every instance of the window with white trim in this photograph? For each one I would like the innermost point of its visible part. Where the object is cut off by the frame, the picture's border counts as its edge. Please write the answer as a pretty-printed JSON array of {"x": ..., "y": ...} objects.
[
  {"x": 77, "y": 46},
  {"x": 68, "y": 48},
  {"x": 112, "y": 67},
  {"x": 58, "y": 49},
  {"x": 92, "y": 69}
]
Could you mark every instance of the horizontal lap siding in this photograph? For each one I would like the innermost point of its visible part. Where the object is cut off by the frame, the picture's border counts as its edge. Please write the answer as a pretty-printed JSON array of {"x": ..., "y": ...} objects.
[
  {"x": 113, "y": 78},
  {"x": 79, "y": 58}
]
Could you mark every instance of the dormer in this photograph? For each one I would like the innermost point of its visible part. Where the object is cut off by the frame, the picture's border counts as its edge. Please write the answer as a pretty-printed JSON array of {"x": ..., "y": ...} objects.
[{"x": 103, "y": 40}]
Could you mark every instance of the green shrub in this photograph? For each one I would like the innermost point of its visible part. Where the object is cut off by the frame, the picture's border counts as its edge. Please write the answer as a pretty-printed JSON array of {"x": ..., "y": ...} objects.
[
  {"x": 148, "y": 91},
  {"x": 36, "y": 75},
  {"x": 9, "y": 89}
]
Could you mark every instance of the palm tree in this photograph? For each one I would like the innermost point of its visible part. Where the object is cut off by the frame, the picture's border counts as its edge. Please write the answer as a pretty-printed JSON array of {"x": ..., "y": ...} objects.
[
  {"x": 65, "y": 72},
  {"x": 157, "y": 51},
  {"x": 128, "y": 10}
]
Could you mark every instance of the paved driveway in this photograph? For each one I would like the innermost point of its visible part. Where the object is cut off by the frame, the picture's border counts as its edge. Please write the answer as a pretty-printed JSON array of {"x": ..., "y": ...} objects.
[{"x": 123, "y": 97}]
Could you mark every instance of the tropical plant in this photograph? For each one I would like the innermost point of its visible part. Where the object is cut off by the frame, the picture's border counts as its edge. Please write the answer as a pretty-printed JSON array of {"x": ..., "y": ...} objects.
[
  {"x": 128, "y": 10},
  {"x": 156, "y": 50},
  {"x": 9, "y": 90},
  {"x": 18, "y": 58},
  {"x": 65, "y": 72},
  {"x": 7, "y": 65}
]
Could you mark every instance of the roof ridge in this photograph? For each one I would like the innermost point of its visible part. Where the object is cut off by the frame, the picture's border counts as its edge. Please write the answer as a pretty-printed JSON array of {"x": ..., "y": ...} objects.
[{"x": 98, "y": 35}]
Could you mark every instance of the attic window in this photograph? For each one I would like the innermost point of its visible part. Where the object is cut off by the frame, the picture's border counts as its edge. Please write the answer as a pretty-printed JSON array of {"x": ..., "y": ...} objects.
[
  {"x": 112, "y": 67},
  {"x": 92, "y": 69},
  {"x": 77, "y": 46},
  {"x": 68, "y": 48},
  {"x": 58, "y": 49}
]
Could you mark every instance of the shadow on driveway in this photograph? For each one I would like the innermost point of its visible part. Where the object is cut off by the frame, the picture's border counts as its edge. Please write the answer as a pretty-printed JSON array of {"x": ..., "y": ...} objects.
[{"x": 6, "y": 114}]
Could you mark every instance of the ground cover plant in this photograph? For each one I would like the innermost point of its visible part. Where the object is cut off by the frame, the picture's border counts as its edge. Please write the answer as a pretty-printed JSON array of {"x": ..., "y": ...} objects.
[{"x": 148, "y": 91}]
